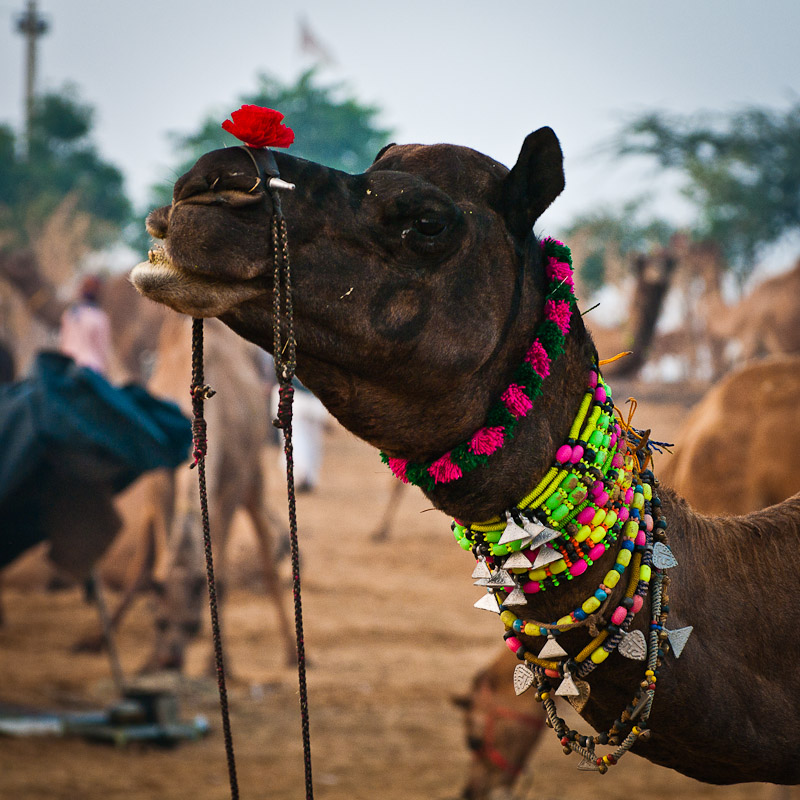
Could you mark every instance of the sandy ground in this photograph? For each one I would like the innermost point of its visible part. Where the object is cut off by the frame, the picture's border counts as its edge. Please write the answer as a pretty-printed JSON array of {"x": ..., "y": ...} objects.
[{"x": 391, "y": 634}]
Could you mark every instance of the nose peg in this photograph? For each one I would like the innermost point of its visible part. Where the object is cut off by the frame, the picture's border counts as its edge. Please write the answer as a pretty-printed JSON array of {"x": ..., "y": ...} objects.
[{"x": 278, "y": 183}]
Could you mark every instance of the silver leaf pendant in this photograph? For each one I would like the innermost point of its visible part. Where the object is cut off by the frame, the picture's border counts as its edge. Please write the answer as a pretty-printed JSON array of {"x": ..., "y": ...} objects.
[
  {"x": 633, "y": 646},
  {"x": 523, "y": 678},
  {"x": 663, "y": 557},
  {"x": 579, "y": 702},
  {"x": 678, "y": 639}
]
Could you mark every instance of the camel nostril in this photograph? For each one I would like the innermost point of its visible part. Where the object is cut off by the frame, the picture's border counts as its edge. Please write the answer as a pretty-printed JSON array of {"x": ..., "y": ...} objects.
[{"x": 157, "y": 222}]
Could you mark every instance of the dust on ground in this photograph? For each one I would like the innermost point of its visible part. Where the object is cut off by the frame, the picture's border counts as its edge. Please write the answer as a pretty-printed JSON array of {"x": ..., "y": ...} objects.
[{"x": 390, "y": 632}]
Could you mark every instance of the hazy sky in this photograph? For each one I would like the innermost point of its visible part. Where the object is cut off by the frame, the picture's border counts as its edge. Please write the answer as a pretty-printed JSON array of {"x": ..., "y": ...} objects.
[{"x": 482, "y": 74}]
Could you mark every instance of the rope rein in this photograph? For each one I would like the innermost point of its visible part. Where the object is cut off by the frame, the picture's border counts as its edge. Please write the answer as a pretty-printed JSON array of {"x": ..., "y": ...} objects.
[
  {"x": 284, "y": 348},
  {"x": 200, "y": 392},
  {"x": 285, "y": 365}
]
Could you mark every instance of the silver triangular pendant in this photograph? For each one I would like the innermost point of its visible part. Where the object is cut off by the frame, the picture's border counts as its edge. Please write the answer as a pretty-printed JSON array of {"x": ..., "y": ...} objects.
[
  {"x": 488, "y": 603},
  {"x": 481, "y": 582},
  {"x": 533, "y": 527},
  {"x": 588, "y": 766},
  {"x": 499, "y": 579},
  {"x": 663, "y": 557},
  {"x": 546, "y": 555},
  {"x": 516, "y": 598},
  {"x": 552, "y": 649},
  {"x": 518, "y": 560},
  {"x": 678, "y": 639},
  {"x": 523, "y": 678},
  {"x": 568, "y": 687},
  {"x": 633, "y": 646},
  {"x": 481, "y": 569},
  {"x": 513, "y": 532},
  {"x": 544, "y": 536}
]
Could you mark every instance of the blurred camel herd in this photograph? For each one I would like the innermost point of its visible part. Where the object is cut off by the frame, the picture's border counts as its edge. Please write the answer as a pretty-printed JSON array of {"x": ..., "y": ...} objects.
[
  {"x": 738, "y": 450},
  {"x": 159, "y": 541}
]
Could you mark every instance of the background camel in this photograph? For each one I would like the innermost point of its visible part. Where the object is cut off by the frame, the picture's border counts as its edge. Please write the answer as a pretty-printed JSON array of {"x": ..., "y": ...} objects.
[
  {"x": 714, "y": 334},
  {"x": 739, "y": 449},
  {"x": 502, "y": 729},
  {"x": 237, "y": 433}
]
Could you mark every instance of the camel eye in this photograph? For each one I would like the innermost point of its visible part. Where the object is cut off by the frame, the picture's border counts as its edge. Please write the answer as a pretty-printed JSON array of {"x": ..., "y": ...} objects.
[{"x": 428, "y": 226}]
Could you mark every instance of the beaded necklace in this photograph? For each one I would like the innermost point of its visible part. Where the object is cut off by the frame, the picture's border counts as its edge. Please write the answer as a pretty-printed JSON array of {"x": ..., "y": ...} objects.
[
  {"x": 520, "y": 395},
  {"x": 597, "y": 492}
]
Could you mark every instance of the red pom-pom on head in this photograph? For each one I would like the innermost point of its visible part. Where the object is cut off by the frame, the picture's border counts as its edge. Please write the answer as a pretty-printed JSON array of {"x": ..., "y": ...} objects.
[{"x": 259, "y": 127}]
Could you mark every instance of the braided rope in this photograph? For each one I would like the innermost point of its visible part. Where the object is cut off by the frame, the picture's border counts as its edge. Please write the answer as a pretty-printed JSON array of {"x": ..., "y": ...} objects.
[
  {"x": 285, "y": 365},
  {"x": 284, "y": 350},
  {"x": 200, "y": 392}
]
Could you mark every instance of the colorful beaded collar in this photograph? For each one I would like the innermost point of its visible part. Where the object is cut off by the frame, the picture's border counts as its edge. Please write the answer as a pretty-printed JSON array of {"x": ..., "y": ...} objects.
[
  {"x": 526, "y": 385},
  {"x": 596, "y": 492}
]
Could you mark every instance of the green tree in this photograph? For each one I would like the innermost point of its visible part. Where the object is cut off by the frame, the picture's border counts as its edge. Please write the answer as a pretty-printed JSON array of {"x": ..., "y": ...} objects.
[
  {"x": 741, "y": 170},
  {"x": 62, "y": 160}
]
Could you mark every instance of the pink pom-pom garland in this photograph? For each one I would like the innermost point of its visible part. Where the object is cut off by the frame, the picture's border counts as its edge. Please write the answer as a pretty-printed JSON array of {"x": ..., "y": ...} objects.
[
  {"x": 538, "y": 359},
  {"x": 560, "y": 312},
  {"x": 517, "y": 402},
  {"x": 443, "y": 470},
  {"x": 518, "y": 399},
  {"x": 398, "y": 467},
  {"x": 485, "y": 441}
]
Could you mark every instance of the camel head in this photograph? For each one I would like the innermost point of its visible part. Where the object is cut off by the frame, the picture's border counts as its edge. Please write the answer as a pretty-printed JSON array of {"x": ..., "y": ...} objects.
[{"x": 414, "y": 283}]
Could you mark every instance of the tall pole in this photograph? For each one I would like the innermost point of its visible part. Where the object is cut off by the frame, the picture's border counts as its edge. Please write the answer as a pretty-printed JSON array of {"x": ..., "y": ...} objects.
[{"x": 31, "y": 26}]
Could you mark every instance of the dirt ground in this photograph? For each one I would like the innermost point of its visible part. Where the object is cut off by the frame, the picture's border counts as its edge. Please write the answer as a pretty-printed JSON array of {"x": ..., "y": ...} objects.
[{"x": 391, "y": 635}]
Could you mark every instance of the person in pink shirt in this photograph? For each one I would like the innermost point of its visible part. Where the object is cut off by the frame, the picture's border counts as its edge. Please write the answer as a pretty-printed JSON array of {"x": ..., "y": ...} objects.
[{"x": 85, "y": 333}]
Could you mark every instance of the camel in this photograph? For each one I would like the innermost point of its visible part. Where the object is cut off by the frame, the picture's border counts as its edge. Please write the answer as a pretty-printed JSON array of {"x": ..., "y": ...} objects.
[
  {"x": 420, "y": 291},
  {"x": 165, "y": 512},
  {"x": 502, "y": 729},
  {"x": 739, "y": 449},
  {"x": 763, "y": 322}
]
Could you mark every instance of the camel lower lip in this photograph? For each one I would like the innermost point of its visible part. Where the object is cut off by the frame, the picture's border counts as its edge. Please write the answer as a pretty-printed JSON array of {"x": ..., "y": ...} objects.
[{"x": 189, "y": 292}]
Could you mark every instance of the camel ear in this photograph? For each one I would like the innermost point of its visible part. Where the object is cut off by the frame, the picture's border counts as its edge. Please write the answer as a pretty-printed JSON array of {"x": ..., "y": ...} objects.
[
  {"x": 461, "y": 701},
  {"x": 533, "y": 183},
  {"x": 383, "y": 150}
]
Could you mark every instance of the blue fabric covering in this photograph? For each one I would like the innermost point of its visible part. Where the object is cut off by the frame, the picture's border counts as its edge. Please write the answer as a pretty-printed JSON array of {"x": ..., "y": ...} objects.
[{"x": 68, "y": 422}]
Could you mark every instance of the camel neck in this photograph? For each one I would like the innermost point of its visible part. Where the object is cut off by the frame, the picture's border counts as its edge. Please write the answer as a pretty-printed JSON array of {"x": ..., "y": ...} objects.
[{"x": 519, "y": 397}]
